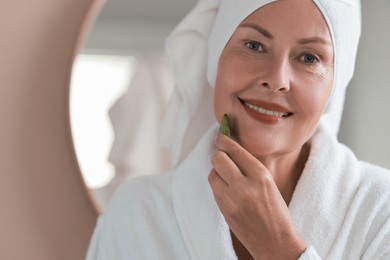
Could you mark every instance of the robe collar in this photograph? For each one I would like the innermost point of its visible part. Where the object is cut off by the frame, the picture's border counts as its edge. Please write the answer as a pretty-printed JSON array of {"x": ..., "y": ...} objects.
[{"x": 318, "y": 206}]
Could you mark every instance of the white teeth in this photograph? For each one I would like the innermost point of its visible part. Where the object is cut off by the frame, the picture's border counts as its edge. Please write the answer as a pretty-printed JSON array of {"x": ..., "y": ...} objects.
[{"x": 265, "y": 111}]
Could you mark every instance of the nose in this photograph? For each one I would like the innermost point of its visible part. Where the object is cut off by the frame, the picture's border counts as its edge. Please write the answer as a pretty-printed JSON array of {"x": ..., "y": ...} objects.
[{"x": 277, "y": 75}]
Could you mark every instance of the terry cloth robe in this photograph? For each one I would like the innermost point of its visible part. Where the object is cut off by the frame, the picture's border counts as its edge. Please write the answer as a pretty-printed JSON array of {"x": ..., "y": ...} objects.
[{"x": 340, "y": 207}]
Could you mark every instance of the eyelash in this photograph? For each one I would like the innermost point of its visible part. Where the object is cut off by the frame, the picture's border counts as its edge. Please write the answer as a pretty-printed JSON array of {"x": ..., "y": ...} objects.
[
  {"x": 316, "y": 59},
  {"x": 260, "y": 48}
]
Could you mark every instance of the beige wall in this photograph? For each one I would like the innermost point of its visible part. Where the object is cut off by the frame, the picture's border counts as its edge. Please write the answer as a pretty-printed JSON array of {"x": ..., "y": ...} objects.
[
  {"x": 366, "y": 125},
  {"x": 46, "y": 212}
]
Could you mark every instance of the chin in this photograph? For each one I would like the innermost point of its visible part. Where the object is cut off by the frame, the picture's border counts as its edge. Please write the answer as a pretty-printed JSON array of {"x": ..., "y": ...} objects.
[{"x": 257, "y": 146}]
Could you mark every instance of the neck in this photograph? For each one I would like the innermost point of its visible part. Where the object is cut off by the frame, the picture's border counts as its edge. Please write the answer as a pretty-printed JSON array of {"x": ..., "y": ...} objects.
[{"x": 286, "y": 170}]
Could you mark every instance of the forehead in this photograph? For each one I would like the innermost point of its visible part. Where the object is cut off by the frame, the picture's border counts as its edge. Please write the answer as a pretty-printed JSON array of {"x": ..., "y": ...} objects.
[{"x": 299, "y": 16}]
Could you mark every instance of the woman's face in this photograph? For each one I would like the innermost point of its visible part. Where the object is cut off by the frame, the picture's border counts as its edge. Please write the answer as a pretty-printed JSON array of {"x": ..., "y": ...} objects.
[{"x": 275, "y": 76}]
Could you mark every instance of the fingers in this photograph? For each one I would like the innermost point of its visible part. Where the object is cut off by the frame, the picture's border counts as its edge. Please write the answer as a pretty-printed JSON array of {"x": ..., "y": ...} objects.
[
  {"x": 245, "y": 161},
  {"x": 220, "y": 190},
  {"x": 218, "y": 186},
  {"x": 226, "y": 168}
]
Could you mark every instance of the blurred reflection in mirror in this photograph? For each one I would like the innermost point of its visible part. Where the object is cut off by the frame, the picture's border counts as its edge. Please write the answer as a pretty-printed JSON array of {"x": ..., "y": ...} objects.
[
  {"x": 97, "y": 82},
  {"x": 120, "y": 85}
]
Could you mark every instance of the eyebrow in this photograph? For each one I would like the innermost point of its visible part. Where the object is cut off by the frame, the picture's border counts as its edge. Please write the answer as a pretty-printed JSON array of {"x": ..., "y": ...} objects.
[
  {"x": 270, "y": 36},
  {"x": 258, "y": 28},
  {"x": 314, "y": 40}
]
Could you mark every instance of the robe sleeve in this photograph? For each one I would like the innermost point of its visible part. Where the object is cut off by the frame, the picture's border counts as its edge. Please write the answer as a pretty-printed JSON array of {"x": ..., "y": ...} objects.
[
  {"x": 93, "y": 248},
  {"x": 310, "y": 254},
  {"x": 379, "y": 247}
]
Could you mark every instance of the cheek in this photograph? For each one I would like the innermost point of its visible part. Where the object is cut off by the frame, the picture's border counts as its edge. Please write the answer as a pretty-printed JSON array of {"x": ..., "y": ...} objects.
[
  {"x": 313, "y": 98},
  {"x": 223, "y": 94},
  {"x": 228, "y": 84},
  {"x": 218, "y": 102}
]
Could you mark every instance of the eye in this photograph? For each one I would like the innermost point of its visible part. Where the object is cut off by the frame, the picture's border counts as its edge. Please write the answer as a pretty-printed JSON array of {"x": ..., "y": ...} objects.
[
  {"x": 256, "y": 46},
  {"x": 309, "y": 58}
]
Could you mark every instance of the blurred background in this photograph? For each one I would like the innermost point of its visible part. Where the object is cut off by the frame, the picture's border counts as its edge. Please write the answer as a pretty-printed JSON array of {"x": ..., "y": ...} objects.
[{"x": 116, "y": 104}]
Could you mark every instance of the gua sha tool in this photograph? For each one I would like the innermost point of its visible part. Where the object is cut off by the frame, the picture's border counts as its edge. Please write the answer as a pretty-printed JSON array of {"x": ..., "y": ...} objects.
[{"x": 224, "y": 128}]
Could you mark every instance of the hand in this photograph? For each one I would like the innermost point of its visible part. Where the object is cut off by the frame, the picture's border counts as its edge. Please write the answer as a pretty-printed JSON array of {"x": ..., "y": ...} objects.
[{"x": 251, "y": 203}]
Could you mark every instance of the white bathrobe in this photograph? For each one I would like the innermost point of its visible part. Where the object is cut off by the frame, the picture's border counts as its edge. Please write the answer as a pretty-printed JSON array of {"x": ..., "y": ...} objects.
[{"x": 341, "y": 208}]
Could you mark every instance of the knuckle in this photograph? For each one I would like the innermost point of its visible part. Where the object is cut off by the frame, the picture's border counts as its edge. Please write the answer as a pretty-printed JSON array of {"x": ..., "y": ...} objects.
[
  {"x": 217, "y": 156},
  {"x": 265, "y": 179},
  {"x": 214, "y": 159},
  {"x": 214, "y": 179},
  {"x": 257, "y": 167},
  {"x": 236, "y": 150},
  {"x": 211, "y": 176}
]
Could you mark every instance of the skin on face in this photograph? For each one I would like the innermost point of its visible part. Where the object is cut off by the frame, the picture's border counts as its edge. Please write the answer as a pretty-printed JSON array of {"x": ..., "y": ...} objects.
[{"x": 279, "y": 58}]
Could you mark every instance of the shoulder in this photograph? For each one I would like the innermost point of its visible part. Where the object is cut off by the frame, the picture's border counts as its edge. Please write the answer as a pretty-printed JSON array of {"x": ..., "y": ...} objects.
[
  {"x": 375, "y": 209},
  {"x": 372, "y": 184},
  {"x": 378, "y": 171},
  {"x": 369, "y": 184},
  {"x": 375, "y": 185}
]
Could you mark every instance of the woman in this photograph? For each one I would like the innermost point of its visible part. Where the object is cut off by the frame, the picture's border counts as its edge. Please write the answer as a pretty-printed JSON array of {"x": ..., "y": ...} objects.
[{"x": 282, "y": 187}]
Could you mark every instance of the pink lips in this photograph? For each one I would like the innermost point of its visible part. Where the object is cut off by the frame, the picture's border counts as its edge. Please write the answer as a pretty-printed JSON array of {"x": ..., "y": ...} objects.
[{"x": 265, "y": 118}]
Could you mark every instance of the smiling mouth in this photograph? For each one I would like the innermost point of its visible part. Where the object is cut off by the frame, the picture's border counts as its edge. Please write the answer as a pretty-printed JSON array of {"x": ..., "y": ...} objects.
[{"x": 267, "y": 112}]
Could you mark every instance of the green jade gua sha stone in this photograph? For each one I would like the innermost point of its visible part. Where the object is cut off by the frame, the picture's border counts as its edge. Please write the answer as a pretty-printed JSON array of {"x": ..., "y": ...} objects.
[{"x": 224, "y": 128}]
